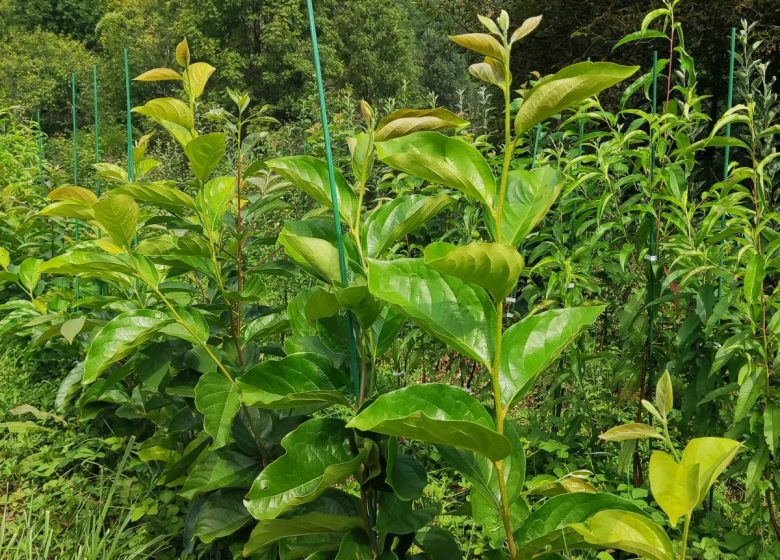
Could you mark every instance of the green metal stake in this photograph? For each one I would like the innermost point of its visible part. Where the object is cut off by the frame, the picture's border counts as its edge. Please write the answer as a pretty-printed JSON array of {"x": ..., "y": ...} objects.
[
  {"x": 537, "y": 138},
  {"x": 96, "y": 117},
  {"x": 334, "y": 195},
  {"x": 651, "y": 257},
  {"x": 77, "y": 282},
  {"x": 130, "y": 164},
  {"x": 727, "y": 151}
]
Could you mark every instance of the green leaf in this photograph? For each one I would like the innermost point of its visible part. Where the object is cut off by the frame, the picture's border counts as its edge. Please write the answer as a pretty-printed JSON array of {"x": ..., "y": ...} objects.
[
  {"x": 406, "y": 121},
  {"x": 712, "y": 455},
  {"x": 754, "y": 278},
  {"x": 481, "y": 43},
  {"x": 118, "y": 215},
  {"x": 772, "y": 426},
  {"x": 168, "y": 109},
  {"x": 5, "y": 258},
  {"x": 441, "y": 159},
  {"x": 120, "y": 337},
  {"x": 221, "y": 515},
  {"x": 399, "y": 518},
  {"x": 335, "y": 512},
  {"x": 213, "y": 201},
  {"x": 454, "y": 311},
  {"x": 158, "y": 75},
  {"x": 438, "y": 544},
  {"x": 296, "y": 380},
  {"x": 205, "y": 152},
  {"x": 312, "y": 253},
  {"x": 533, "y": 343},
  {"x": 529, "y": 196},
  {"x": 641, "y": 36},
  {"x": 355, "y": 546},
  {"x": 399, "y": 217},
  {"x": 29, "y": 273},
  {"x": 195, "y": 77},
  {"x": 318, "y": 456},
  {"x": 73, "y": 193},
  {"x": 526, "y": 28},
  {"x": 435, "y": 413},
  {"x": 310, "y": 175},
  {"x": 219, "y": 400},
  {"x": 72, "y": 327},
  {"x": 490, "y": 71},
  {"x": 548, "y": 527},
  {"x": 404, "y": 474},
  {"x": 223, "y": 468},
  {"x": 162, "y": 193},
  {"x": 664, "y": 394},
  {"x": 628, "y": 531},
  {"x": 674, "y": 485},
  {"x": 494, "y": 266},
  {"x": 626, "y": 432},
  {"x": 566, "y": 88}
]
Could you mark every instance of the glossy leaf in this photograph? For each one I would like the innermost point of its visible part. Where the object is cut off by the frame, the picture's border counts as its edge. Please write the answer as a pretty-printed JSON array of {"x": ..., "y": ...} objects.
[
  {"x": 529, "y": 196},
  {"x": 566, "y": 88},
  {"x": 118, "y": 215},
  {"x": 294, "y": 381},
  {"x": 441, "y": 159},
  {"x": 195, "y": 77},
  {"x": 494, "y": 266},
  {"x": 158, "y": 75},
  {"x": 355, "y": 546},
  {"x": 548, "y": 527},
  {"x": 29, "y": 273},
  {"x": 532, "y": 344},
  {"x": 213, "y": 201},
  {"x": 162, "y": 193},
  {"x": 120, "y": 337},
  {"x": 224, "y": 468},
  {"x": 435, "y": 413},
  {"x": 205, "y": 152},
  {"x": 318, "y": 455},
  {"x": 526, "y": 28},
  {"x": 400, "y": 217},
  {"x": 674, "y": 485},
  {"x": 627, "y": 531},
  {"x": 754, "y": 278},
  {"x": 406, "y": 121},
  {"x": 218, "y": 399},
  {"x": 73, "y": 193},
  {"x": 310, "y": 175},
  {"x": 314, "y": 254},
  {"x": 664, "y": 394},
  {"x": 221, "y": 515},
  {"x": 456, "y": 312},
  {"x": 168, "y": 109},
  {"x": 481, "y": 43}
]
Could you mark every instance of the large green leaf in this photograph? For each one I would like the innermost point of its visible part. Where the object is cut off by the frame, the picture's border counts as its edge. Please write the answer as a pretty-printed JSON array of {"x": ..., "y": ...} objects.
[
  {"x": 754, "y": 278},
  {"x": 548, "y": 527},
  {"x": 355, "y": 546},
  {"x": 118, "y": 215},
  {"x": 294, "y": 381},
  {"x": 435, "y": 413},
  {"x": 213, "y": 201},
  {"x": 315, "y": 255},
  {"x": 454, "y": 311},
  {"x": 399, "y": 217},
  {"x": 29, "y": 273},
  {"x": 406, "y": 121},
  {"x": 195, "y": 77},
  {"x": 310, "y": 175},
  {"x": 530, "y": 345},
  {"x": 335, "y": 512},
  {"x": 86, "y": 263},
  {"x": 120, "y": 337},
  {"x": 674, "y": 485},
  {"x": 168, "y": 109},
  {"x": 437, "y": 158},
  {"x": 628, "y": 531},
  {"x": 161, "y": 193},
  {"x": 529, "y": 195},
  {"x": 566, "y": 88},
  {"x": 205, "y": 152},
  {"x": 224, "y": 468},
  {"x": 318, "y": 456},
  {"x": 494, "y": 266},
  {"x": 221, "y": 515},
  {"x": 218, "y": 399},
  {"x": 713, "y": 455}
]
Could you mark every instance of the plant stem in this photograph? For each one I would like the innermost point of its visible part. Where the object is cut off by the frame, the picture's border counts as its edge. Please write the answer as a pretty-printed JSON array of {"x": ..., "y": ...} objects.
[{"x": 686, "y": 526}]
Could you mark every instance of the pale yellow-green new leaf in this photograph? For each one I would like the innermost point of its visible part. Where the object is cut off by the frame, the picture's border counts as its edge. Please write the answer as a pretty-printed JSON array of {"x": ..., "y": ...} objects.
[
  {"x": 712, "y": 455},
  {"x": 158, "y": 75},
  {"x": 5, "y": 258},
  {"x": 118, "y": 215},
  {"x": 195, "y": 78},
  {"x": 675, "y": 486},
  {"x": 634, "y": 430},
  {"x": 481, "y": 43},
  {"x": 664, "y": 395},
  {"x": 628, "y": 531},
  {"x": 73, "y": 193}
]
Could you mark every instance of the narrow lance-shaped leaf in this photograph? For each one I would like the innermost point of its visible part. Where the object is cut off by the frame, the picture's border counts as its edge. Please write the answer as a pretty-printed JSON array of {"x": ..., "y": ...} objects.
[
  {"x": 435, "y": 413},
  {"x": 627, "y": 432},
  {"x": 566, "y": 88}
]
